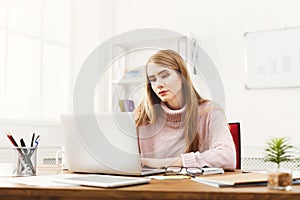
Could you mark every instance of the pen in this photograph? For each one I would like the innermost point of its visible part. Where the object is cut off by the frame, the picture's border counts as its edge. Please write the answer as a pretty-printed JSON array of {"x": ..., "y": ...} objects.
[
  {"x": 10, "y": 137},
  {"x": 26, "y": 154},
  {"x": 36, "y": 142},
  {"x": 37, "y": 139},
  {"x": 23, "y": 145},
  {"x": 33, "y": 147},
  {"x": 170, "y": 177},
  {"x": 32, "y": 139}
]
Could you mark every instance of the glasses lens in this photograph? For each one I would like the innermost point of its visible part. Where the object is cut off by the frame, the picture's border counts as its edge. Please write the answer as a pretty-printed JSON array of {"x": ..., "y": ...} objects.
[
  {"x": 173, "y": 169},
  {"x": 194, "y": 170}
]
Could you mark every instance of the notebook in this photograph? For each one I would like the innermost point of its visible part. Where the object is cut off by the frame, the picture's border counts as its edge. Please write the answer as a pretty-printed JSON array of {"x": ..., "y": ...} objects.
[
  {"x": 233, "y": 179},
  {"x": 105, "y": 143},
  {"x": 237, "y": 179}
]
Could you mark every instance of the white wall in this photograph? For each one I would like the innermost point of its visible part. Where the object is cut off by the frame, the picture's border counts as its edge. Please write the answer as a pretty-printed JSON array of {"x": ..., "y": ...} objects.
[
  {"x": 50, "y": 132},
  {"x": 92, "y": 25},
  {"x": 220, "y": 25}
]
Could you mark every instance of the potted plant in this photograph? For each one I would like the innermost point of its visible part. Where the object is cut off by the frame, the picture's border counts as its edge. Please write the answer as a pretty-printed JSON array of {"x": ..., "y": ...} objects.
[{"x": 279, "y": 150}]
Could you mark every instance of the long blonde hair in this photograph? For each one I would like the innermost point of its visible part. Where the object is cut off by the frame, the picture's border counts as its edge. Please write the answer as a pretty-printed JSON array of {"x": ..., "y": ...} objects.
[{"x": 146, "y": 112}]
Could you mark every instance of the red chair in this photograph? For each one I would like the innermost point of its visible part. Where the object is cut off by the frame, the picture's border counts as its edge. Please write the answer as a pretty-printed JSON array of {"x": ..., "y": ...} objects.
[{"x": 235, "y": 130}]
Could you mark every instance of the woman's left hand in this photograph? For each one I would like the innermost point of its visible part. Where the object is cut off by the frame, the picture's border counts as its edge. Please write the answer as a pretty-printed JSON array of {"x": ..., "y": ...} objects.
[{"x": 161, "y": 163}]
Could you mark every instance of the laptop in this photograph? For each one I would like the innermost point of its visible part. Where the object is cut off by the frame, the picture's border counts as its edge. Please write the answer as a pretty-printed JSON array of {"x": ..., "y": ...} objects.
[{"x": 105, "y": 143}]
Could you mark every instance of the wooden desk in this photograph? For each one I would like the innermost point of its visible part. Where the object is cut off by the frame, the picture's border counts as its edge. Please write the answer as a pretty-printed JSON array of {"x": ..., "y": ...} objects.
[{"x": 157, "y": 189}]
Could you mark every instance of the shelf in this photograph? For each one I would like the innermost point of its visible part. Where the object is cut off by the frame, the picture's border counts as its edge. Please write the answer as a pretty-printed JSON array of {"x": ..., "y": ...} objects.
[{"x": 128, "y": 81}]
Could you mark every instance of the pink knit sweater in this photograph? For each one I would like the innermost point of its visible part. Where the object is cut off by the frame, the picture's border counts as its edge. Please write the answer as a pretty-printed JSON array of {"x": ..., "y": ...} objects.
[{"x": 165, "y": 138}]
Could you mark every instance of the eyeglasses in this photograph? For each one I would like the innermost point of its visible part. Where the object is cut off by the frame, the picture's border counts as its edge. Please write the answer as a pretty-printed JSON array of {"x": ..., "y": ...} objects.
[{"x": 192, "y": 171}]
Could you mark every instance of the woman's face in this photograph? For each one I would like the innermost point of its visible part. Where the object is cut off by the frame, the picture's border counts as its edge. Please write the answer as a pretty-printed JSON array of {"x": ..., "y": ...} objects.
[{"x": 167, "y": 84}]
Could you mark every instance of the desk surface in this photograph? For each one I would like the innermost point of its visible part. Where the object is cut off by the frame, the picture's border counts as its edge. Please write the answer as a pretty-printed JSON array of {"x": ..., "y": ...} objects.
[{"x": 157, "y": 189}]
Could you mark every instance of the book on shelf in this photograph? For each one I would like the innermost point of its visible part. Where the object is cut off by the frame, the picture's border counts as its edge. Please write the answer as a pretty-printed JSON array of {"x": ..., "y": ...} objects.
[{"x": 126, "y": 105}]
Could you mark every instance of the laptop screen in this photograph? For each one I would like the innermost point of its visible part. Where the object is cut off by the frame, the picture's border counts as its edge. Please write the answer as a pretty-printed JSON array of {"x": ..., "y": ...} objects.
[{"x": 102, "y": 143}]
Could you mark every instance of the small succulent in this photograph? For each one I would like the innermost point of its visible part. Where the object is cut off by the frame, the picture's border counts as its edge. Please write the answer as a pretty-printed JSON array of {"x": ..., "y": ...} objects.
[{"x": 278, "y": 151}]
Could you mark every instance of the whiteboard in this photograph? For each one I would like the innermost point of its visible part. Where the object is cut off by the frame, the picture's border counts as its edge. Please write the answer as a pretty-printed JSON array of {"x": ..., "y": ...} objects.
[{"x": 273, "y": 58}]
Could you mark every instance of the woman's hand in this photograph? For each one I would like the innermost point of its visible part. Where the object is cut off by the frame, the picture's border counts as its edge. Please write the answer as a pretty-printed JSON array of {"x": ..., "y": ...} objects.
[{"x": 161, "y": 163}]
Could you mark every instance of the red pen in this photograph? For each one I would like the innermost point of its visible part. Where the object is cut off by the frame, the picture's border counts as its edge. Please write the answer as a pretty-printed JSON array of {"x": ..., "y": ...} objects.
[{"x": 10, "y": 137}]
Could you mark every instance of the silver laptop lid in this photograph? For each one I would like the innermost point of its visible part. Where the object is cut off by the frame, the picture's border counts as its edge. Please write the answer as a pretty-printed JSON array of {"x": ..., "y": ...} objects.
[{"x": 102, "y": 143}]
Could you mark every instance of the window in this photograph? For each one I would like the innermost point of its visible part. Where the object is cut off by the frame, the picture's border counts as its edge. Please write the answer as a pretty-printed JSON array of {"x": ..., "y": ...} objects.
[{"x": 34, "y": 59}]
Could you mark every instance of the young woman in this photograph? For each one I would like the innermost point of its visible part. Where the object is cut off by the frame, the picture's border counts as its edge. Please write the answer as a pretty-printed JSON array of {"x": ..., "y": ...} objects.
[{"x": 176, "y": 126}]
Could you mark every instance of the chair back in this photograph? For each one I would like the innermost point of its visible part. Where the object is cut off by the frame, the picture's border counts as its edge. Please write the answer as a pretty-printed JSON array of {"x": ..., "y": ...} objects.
[{"x": 235, "y": 130}]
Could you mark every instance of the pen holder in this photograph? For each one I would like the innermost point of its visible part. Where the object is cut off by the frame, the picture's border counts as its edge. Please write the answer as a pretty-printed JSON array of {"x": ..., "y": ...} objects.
[{"x": 24, "y": 161}]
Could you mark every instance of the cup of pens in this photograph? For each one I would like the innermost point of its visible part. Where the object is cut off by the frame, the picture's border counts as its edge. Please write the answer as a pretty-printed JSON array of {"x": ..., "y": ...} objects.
[
  {"x": 24, "y": 161},
  {"x": 24, "y": 158}
]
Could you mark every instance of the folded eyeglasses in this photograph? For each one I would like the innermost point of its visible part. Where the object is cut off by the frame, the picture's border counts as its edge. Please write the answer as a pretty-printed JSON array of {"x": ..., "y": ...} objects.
[{"x": 192, "y": 171}]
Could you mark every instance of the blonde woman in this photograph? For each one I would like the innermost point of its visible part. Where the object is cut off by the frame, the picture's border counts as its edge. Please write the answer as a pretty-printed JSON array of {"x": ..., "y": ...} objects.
[{"x": 176, "y": 126}]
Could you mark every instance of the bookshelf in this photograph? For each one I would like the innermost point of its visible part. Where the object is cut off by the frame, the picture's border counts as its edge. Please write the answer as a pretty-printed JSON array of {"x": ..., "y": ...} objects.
[{"x": 128, "y": 76}]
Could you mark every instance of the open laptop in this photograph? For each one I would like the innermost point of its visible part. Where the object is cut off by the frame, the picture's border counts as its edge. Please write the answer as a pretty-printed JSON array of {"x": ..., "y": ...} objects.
[{"x": 105, "y": 143}]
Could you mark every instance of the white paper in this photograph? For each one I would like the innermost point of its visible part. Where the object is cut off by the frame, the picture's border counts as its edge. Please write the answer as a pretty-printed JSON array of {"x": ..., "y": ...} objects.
[{"x": 42, "y": 180}]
